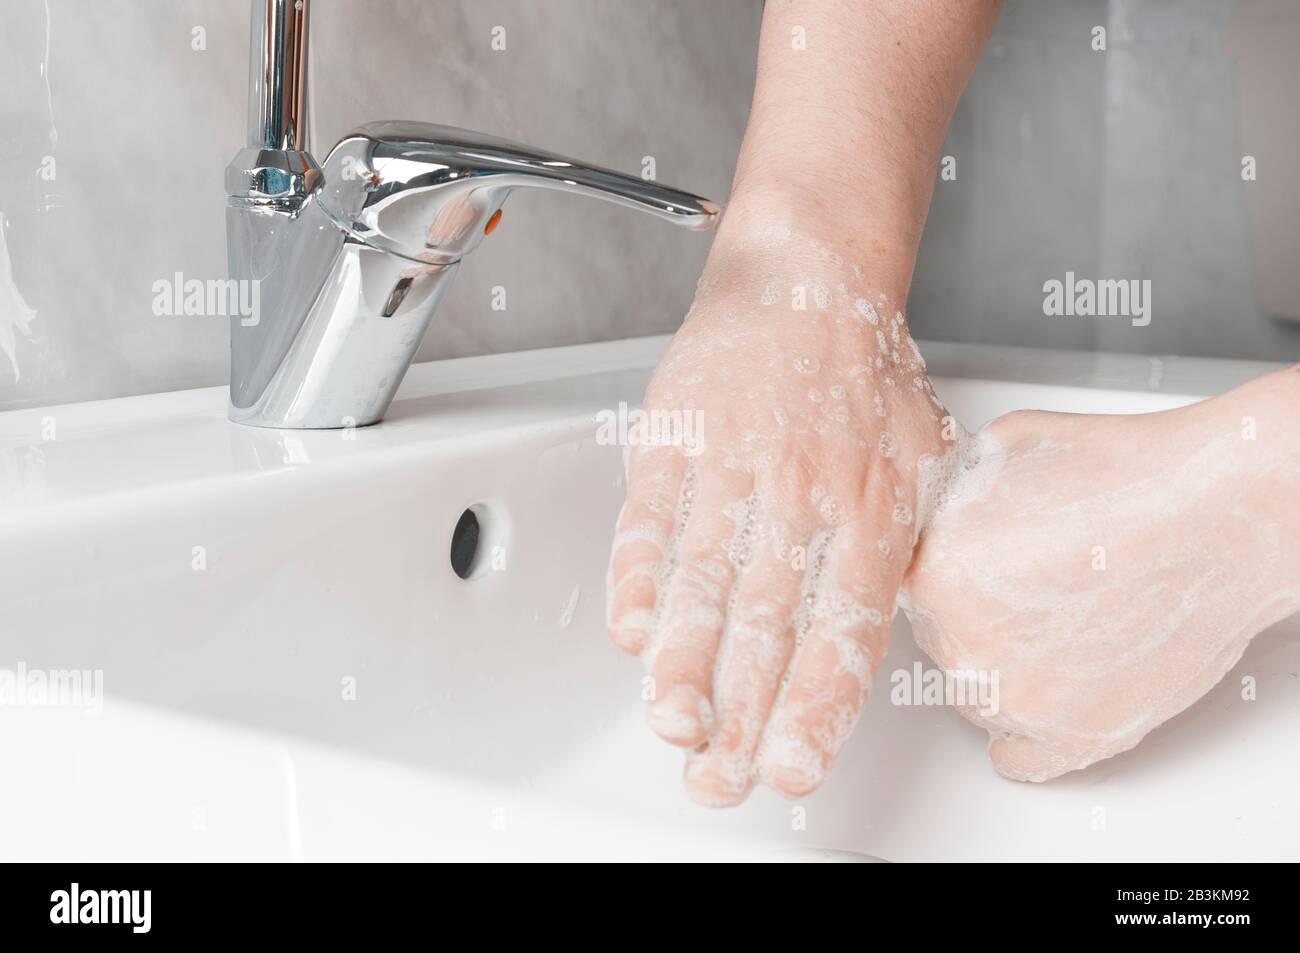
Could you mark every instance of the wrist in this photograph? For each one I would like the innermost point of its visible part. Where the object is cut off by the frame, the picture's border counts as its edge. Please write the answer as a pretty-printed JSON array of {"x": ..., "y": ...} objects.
[
  {"x": 1262, "y": 427},
  {"x": 773, "y": 233}
]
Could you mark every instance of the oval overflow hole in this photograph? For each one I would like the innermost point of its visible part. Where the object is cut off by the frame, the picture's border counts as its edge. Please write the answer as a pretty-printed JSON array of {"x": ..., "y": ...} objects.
[{"x": 464, "y": 544}]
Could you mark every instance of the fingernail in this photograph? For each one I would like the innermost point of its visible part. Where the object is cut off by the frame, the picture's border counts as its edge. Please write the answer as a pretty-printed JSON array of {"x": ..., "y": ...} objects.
[
  {"x": 682, "y": 716},
  {"x": 712, "y": 780},
  {"x": 793, "y": 768}
]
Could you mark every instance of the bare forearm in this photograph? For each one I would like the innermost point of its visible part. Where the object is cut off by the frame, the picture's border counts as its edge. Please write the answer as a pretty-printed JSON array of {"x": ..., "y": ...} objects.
[{"x": 851, "y": 105}]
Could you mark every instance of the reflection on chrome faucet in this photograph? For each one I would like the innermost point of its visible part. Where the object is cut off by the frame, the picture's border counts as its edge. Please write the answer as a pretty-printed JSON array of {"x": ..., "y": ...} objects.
[{"x": 353, "y": 256}]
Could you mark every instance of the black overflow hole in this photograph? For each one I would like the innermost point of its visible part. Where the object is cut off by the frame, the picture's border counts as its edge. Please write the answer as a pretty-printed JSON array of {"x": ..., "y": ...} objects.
[{"x": 464, "y": 544}]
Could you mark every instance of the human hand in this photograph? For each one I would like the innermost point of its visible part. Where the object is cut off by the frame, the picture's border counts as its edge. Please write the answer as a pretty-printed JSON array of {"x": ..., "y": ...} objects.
[
  {"x": 755, "y": 569},
  {"x": 1109, "y": 570}
]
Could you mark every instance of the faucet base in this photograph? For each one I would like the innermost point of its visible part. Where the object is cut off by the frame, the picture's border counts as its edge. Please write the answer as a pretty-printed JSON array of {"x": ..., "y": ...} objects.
[{"x": 338, "y": 321}]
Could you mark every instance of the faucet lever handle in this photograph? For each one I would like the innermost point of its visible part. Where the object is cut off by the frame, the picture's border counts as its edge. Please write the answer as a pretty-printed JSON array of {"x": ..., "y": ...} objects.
[{"x": 427, "y": 192}]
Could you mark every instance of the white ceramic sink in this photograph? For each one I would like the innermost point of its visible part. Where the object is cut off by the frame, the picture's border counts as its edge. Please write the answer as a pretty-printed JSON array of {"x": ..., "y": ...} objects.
[{"x": 231, "y": 584}]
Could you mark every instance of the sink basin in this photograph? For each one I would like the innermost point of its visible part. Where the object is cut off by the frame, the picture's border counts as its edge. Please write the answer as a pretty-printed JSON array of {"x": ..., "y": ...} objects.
[{"x": 291, "y": 669}]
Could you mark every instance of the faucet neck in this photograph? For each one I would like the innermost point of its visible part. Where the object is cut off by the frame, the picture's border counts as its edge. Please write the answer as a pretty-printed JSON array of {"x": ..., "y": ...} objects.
[
  {"x": 277, "y": 82},
  {"x": 275, "y": 171}
]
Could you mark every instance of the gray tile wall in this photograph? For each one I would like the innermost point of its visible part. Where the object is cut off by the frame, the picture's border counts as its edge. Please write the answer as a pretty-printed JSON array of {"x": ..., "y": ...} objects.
[{"x": 1124, "y": 164}]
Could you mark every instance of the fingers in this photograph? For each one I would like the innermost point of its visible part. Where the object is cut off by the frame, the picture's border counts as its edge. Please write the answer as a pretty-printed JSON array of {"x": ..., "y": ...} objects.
[
  {"x": 759, "y": 647},
  {"x": 854, "y": 580},
  {"x": 683, "y": 652},
  {"x": 789, "y": 653},
  {"x": 642, "y": 543}
]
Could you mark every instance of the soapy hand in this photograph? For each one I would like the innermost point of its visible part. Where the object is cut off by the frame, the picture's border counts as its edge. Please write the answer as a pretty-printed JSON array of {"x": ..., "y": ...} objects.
[
  {"x": 769, "y": 523},
  {"x": 1109, "y": 570}
]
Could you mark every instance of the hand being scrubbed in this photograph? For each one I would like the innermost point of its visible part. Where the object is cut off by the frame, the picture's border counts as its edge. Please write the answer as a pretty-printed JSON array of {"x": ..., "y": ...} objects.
[
  {"x": 1111, "y": 569},
  {"x": 755, "y": 572}
]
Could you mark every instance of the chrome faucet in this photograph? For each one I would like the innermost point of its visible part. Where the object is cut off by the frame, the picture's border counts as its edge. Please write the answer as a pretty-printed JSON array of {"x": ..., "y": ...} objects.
[{"x": 351, "y": 258}]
